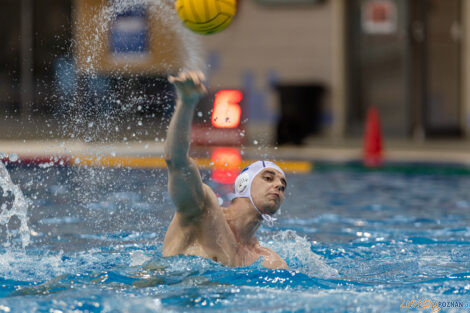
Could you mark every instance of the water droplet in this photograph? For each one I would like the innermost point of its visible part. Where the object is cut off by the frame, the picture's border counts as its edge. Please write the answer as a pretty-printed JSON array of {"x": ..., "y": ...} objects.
[{"x": 13, "y": 157}]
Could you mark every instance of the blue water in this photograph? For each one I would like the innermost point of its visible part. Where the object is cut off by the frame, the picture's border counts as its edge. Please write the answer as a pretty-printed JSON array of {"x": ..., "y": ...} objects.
[{"x": 355, "y": 241}]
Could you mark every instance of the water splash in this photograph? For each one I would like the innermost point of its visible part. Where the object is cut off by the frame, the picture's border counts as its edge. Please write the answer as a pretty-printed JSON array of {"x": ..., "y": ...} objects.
[
  {"x": 297, "y": 252},
  {"x": 190, "y": 52},
  {"x": 120, "y": 105},
  {"x": 19, "y": 208},
  {"x": 116, "y": 108}
]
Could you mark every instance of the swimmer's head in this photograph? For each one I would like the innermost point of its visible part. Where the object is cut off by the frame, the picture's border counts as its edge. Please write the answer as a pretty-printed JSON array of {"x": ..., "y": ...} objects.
[{"x": 263, "y": 182}]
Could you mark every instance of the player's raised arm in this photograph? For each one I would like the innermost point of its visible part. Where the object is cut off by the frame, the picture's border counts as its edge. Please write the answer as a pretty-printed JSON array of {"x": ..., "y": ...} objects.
[{"x": 184, "y": 181}]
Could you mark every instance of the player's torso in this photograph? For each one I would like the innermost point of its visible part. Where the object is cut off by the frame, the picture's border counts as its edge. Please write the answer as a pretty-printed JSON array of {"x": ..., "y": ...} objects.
[
  {"x": 211, "y": 237},
  {"x": 208, "y": 236}
]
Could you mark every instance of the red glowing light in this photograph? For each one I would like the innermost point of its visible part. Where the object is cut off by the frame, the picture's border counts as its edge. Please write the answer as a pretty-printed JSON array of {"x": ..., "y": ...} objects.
[
  {"x": 227, "y": 163},
  {"x": 227, "y": 111}
]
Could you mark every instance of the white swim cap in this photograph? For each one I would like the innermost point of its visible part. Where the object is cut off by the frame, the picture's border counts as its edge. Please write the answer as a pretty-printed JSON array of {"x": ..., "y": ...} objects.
[{"x": 244, "y": 180}]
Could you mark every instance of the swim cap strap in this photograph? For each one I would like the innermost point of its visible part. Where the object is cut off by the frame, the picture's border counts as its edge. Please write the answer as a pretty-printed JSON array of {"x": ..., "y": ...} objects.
[{"x": 268, "y": 219}]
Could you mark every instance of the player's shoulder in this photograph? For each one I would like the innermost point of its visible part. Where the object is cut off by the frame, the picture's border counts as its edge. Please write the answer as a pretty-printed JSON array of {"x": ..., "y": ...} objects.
[{"x": 272, "y": 259}]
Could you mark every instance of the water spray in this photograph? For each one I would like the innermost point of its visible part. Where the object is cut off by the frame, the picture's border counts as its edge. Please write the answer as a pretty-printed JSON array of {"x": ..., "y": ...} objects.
[{"x": 19, "y": 209}]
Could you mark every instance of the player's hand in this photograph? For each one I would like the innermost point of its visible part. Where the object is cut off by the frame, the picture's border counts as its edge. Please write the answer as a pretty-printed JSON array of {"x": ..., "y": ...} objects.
[{"x": 189, "y": 85}]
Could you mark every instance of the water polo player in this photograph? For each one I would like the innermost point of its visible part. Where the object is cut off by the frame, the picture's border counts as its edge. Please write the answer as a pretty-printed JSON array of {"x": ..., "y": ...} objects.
[{"x": 200, "y": 226}]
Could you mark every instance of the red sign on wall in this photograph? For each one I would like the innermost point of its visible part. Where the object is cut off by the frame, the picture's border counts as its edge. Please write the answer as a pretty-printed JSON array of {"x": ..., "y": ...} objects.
[{"x": 379, "y": 17}]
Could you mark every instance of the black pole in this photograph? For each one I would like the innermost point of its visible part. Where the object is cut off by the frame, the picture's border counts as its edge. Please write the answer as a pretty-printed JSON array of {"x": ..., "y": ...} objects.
[{"x": 26, "y": 94}]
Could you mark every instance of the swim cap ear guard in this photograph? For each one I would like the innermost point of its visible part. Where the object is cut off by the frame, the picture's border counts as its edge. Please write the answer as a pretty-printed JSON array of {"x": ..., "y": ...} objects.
[{"x": 244, "y": 180}]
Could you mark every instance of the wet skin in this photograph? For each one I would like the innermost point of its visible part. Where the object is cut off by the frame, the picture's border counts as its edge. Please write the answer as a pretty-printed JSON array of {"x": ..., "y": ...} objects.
[{"x": 200, "y": 226}]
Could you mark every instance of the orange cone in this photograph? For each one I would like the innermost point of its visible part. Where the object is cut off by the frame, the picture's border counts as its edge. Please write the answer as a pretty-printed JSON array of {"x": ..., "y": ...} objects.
[{"x": 373, "y": 139}]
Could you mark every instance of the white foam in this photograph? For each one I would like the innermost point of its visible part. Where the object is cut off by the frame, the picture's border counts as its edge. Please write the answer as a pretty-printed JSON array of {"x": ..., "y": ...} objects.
[
  {"x": 132, "y": 305},
  {"x": 138, "y": 258},
  {"x": 40, "y": 266},
  {"x": 296, "y": 250},
  {"x": 19, "y": 208}
]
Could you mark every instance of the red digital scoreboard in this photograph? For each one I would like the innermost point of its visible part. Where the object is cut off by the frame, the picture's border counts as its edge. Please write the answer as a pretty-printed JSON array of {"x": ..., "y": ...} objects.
[
  {"x": 227, "y": 112},
  {"x": 218, "y": 119}
]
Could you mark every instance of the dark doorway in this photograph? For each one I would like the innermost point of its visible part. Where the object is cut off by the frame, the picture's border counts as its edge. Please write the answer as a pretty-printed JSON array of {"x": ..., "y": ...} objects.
[
  {"x": 10, "y": 57},
  {"x": 377, "y": 57},
  {"x": 404, "y": 59},
  {"x": 436, "y": 43},
  {"x": 34, "y": 36}
]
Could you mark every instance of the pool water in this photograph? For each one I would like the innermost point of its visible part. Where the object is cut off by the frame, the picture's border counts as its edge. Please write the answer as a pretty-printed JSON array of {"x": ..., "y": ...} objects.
[{"x": 355, "y": 241}]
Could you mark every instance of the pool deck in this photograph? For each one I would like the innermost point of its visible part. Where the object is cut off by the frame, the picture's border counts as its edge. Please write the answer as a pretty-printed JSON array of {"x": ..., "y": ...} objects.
[{"x": 150, "y": 153}]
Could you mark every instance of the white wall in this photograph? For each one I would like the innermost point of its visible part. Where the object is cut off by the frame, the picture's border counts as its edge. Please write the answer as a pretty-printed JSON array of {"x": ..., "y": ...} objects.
[{"x": 293, "y": 42}]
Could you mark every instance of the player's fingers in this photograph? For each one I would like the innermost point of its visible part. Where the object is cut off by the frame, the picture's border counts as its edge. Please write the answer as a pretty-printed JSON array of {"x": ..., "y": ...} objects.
[
  {"x": 179, "y": 77},
  {"x": 203, "y": 89},
  {"x": 201, "y": 76},
  {"x": 194, "y": 78}
]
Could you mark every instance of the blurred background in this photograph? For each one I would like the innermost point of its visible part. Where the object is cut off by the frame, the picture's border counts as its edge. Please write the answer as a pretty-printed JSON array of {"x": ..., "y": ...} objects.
[{"x": 300, "y": 70}]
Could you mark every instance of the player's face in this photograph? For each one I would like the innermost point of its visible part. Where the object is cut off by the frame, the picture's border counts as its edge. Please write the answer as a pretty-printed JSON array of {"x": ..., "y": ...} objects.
[{"x": 267, "y": 190}]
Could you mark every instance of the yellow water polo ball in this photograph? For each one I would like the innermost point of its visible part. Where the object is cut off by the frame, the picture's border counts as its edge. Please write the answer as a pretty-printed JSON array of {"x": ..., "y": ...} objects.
[{"x": 206, "y": 16}]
